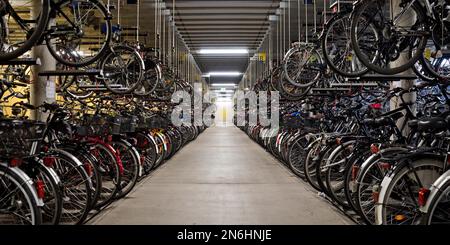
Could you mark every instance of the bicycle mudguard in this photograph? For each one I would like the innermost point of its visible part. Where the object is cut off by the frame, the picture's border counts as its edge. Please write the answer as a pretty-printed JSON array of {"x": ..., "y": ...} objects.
[
  {"x": 28, "y": 181},
  {"x": 435, "y": 189},
  {"x": 367, "y": 163}
]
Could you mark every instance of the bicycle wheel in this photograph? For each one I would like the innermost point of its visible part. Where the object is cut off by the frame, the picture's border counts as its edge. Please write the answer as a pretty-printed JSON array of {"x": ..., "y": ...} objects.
[
  {"x": 337, "y": 49},
  {"x": 76, "y": 186},
  {"x": 20, "y": 30},
  {"x": 368, "y": 181},
  {"x": 439, "y": 211},
  {"x": 334, "y": 176},
  {"x": 92, "y": 169},
  {"x": 123, "y": 69},
  {"x": 310, "y": 165},
  {"x": 77, "y": 87},
  {"x": 80, "y": 33},
  {"x": 399, "y": 204},
  {"x": 52, "y": 209},
  {"x": 18, "y": 201},
  {"x": 151, "y": 79},
  {"x": 292, "y": 92},
  {"x": 321, "y": 168},
  {"x": 350, "y": 173},
  {"x": 147, "y": 150},
  {"x": 130, "y": 161},
  {"x": 297, "y": 156},
  {"x": 434, "y": 62},
  {"x": 110, "y": 174},
  {"x": 383, "y": 42},
  {"x": 302, "y": 66}
]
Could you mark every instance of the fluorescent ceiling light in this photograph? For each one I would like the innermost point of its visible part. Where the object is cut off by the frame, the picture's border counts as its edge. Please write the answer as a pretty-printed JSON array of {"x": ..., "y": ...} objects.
[
  {"x": 223, "y": 84},
  {"x": 223, "y": 91},
  {"x": 223, "y": 51},
  {"x": 225, "y": 73}
]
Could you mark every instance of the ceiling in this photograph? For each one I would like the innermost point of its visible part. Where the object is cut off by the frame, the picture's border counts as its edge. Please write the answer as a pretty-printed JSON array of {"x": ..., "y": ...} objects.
[{"x": 223, "y": 24}]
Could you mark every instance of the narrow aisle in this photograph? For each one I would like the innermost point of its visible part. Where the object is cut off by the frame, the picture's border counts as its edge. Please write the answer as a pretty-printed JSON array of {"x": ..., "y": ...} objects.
[{"x": 222, "y": 178}]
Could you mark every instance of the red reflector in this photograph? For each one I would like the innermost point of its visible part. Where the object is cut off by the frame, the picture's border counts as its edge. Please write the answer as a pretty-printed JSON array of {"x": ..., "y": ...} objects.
[
  {"x": 44, "y": 148},
  {"x": 384, "y": 165},
  {"x": 376, "y": 106},
  {"x": 375, "y": 193},
  {"x": 88, "y": 168},
  {"x": 374, "y": 149},
  {"x": 15, "y": 162},
  {"x": 49, "y": 161},
  {"x": 355, "y": 170},
  {"x": 142, "y": 159},
  {"x": 40, "y": 189},
  {"x": 423, "y": 196},
  {"x": 144, "y": 143},
  {"x": 109, "y": 138}
]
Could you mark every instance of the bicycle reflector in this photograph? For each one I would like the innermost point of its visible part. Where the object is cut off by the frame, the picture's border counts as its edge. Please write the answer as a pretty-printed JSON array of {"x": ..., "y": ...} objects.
[
  {"x": 88, "y": 168},
  {"x": 49, "y": 161},
  {"x": 40, "y": 189},
  {"x": 109, "y": 138},
  {"x": 376, "y": 106},
  {"x": 423, "y": 196},
  {"x": 15, "y": 162},
  {"x": 375, "y": 193},
  {"x": 355, "y": 170},
  {"x": 374, "y": 149},
  {"x": 384, "y": 165},
  {"x": 143, "y": 143}
]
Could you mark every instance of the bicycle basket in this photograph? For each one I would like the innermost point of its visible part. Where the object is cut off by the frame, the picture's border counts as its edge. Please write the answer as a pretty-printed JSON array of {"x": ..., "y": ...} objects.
[
  {"x": 17, "y": 136},
  {"x": 128, "y": 124}
]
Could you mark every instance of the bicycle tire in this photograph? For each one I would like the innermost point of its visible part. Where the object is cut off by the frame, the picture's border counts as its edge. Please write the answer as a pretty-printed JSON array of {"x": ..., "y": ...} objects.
[
  {"x": 356, "y": 14},
  {"x": 28, "y": 193},
  {"x": 105, "y": 43},
  {"x": 34, "y": 38},
  {"x": 131, "y": 166},
  {"x": 326, "y": 55},
  {"x": 108, "y": 71}
]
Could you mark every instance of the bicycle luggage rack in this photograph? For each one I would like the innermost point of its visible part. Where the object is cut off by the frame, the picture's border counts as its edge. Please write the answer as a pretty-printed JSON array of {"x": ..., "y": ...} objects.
[{"x": 22, "y": 61}]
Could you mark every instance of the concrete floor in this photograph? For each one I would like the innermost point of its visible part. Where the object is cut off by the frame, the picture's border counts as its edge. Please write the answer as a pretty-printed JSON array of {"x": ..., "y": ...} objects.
[{"x": 223, "y": 177}]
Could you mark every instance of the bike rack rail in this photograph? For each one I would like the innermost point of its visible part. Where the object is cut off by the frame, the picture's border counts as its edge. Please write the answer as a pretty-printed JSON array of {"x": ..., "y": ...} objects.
[
  {"x": 22, "y": 61},
  {"x": 70, "y": 73},
  {"x": 380, "y": 77},
  {"x": 357, "y": 84}
]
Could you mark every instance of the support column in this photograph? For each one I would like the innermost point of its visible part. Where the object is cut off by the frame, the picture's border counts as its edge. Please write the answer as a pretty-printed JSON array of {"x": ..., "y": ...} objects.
[
  {"x": 406, "y": 84},
  {"x": 41, "y": 89}
]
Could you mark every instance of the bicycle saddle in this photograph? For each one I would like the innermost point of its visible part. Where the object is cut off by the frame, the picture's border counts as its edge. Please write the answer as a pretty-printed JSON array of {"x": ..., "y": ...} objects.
[
  {"x": 413, "y": 123},
  {"x": 384, "y": 120},
  {"x": 432, "y": 124}
]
